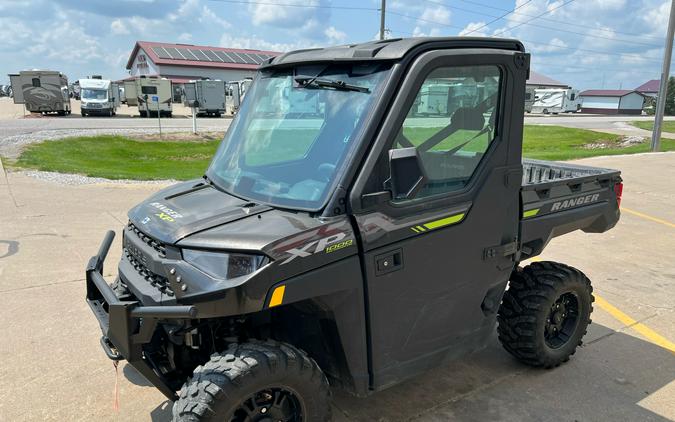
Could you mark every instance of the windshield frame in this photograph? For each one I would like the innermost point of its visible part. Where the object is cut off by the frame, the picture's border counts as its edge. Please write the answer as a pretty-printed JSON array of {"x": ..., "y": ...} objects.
[{"x": 385, "y": 69}]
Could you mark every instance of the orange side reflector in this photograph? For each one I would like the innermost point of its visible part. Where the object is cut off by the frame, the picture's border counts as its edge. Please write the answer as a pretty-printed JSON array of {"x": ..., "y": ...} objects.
[{"x": 277, "y": 296}]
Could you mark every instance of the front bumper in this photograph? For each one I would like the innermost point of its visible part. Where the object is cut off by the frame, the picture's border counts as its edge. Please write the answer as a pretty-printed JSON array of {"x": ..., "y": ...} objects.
[{"x": 128, "y": 325}]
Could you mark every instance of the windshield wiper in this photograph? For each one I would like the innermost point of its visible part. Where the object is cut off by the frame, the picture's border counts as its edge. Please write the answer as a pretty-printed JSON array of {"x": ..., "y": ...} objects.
[{"x": 326, "y": 83}]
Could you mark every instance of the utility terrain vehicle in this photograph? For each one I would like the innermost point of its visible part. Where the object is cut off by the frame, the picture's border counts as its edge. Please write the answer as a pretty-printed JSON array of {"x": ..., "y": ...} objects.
[{"x": 337, "y": 237}]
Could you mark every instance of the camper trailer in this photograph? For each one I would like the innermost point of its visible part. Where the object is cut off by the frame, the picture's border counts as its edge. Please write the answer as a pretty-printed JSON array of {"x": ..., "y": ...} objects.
[
  {"x": 556, "y": 101},
  {"x": 99, "y": 97},
  {"x": 151, "y": 94},
  {"x": 236, "y": 91},
  {"x": 529, "y": 99},
  {"x": 206, "y": 96},
  {"x": 42, "y": 91}
]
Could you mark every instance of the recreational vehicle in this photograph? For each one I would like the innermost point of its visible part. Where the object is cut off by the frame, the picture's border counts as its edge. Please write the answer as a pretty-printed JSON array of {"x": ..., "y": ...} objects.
[
  {"x": 236, "y": 91},
  {"x": 150, "y": 94},
  {"x": 42, "y": 91},
  {"x": 206, "y": 96},
  {"x": 99, "y": 96},
  {"x": 529, "y": 99},
  {"x": 556, "y": 101}
]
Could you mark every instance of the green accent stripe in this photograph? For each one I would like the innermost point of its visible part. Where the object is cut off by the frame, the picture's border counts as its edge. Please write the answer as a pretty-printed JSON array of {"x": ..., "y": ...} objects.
[
  {"x": 420, "y": 228},
  {"x": 530, "y": 213},
  {"x": 444, "y": 221},
  {"x": 414, "y": 229}
]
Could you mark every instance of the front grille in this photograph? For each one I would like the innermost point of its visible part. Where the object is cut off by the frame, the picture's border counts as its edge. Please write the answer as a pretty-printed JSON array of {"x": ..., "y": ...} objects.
[
  {"x": 159, "y": 282},
  {"x": 156, "y": 245}
]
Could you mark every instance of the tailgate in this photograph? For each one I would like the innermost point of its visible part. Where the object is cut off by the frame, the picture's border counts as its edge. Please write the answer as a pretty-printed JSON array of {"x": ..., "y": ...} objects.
[{"x": 559, "y": 198}]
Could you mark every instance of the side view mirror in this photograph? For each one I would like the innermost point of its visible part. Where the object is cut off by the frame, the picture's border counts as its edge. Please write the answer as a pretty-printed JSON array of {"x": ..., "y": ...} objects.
[{"x": 407, "y": 174}]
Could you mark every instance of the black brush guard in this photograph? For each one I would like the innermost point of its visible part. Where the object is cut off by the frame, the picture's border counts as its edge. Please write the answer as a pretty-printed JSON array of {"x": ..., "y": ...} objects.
[{"x": 128, "y": 325}]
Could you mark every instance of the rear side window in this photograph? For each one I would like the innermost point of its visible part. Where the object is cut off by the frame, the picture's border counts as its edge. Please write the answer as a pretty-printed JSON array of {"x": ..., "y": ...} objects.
[
  {"x": 150, "y": 90},
  {"x": 451, "y": 124},
  {"x": 36, "y": 82}
]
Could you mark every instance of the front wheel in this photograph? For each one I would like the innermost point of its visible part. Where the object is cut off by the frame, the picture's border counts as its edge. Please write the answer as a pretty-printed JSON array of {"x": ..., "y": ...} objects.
[
  {"x": 544, "y": 313},
  {"x": 257, "y": 381}
]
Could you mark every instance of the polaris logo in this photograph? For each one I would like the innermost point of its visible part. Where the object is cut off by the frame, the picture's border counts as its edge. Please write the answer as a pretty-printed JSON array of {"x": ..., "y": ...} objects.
[{"x": 575, "y": 202}]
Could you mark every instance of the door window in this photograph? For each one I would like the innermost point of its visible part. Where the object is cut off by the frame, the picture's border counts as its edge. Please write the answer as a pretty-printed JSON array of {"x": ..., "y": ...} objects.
[{"x": 451, "y": 124}]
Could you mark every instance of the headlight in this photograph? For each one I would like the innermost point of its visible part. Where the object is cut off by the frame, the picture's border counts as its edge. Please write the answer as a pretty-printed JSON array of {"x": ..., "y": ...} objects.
[{"x": 222, "y": 264}]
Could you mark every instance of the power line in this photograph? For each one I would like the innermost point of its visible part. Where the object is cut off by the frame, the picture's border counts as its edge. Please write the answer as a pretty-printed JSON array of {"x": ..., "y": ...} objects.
[
  {"x": 609, "y": 30},
  {"x": 536, "y": 17},
  {"x": 308, "y": 6},
  {"x": 497, "y": 18},
  {"x": 608, "y": 53}
]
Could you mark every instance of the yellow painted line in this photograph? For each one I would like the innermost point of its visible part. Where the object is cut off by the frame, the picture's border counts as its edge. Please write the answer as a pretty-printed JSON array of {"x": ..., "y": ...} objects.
[
  {"x": 277, "y": 296},
  {"x": 629, "y": 322},
  {"x": 648, "y": 217}
]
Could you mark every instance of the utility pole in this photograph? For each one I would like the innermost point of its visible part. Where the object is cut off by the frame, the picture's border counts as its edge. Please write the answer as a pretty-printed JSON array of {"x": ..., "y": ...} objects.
[
  {"x": 663, "y": 88},
  {"x": 382, "y": 12}
]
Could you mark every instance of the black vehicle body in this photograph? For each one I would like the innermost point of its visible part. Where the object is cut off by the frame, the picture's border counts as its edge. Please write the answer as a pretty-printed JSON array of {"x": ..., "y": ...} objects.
[{"x": 373, "y": 290}]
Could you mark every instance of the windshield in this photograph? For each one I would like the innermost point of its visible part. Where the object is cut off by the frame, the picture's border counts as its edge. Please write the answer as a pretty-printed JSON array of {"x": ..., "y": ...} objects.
[
  {"x": 94, "y": 94},
  {"x": 290, "y": 140}
]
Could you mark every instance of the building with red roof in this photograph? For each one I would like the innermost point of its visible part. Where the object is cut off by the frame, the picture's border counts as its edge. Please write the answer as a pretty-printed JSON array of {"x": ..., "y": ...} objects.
[
  {"x": 649, "y": 88},
  {"x": 184, "y": 62}
]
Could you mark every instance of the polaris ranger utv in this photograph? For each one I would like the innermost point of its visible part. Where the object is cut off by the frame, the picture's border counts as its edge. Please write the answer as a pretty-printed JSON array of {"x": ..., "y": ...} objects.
[{"x": 339, "y": 238}]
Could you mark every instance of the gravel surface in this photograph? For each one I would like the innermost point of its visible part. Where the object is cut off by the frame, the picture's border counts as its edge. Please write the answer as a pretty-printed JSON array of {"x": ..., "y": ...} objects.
[{"x": 78, "y": 179}]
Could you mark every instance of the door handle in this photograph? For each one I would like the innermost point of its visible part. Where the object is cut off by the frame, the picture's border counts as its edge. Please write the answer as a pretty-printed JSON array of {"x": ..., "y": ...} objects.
[{"x": 388, "y": 262}]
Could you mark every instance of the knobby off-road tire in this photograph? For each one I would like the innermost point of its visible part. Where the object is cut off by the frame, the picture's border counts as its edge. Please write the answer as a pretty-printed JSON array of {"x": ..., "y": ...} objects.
[
  {"x": 252, "y": 381},
  {"x": 544, "y": 313}
]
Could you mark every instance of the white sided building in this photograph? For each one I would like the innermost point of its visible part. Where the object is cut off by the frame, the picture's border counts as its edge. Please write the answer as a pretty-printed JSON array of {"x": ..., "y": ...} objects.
[
  {"x": 612, "y": 101},
  {"x": 182, "y": 63}
]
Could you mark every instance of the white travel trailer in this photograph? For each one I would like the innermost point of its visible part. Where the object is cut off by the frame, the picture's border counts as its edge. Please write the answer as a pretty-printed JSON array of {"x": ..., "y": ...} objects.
[
  {"x": 206, "y": 96},
  {"x": 42, "y": 91},
  {"x": 556, "y": 101},
  {"x": 236, "y": 91},
  {"x": 151, "y": 94},
  {"x": 99, "y": 96}
]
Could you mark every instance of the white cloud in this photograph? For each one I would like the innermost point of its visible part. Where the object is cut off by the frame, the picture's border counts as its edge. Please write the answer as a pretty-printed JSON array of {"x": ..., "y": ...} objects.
[
  {"x": 437, "y": 14},
  {"x": 117, "y": 27},
  {"x": 474, "y": 29},
  {"x": 420, "y": 32},
  {"x": 185, "y": 37},
  {"x": 334, "y": 35},
  {"x": 255, "y": 43},
  {"x": 553, "y": 45}
]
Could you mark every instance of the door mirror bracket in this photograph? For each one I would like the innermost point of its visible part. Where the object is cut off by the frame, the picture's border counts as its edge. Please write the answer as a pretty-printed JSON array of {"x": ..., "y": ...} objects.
[{"x": 407, "y": 175}]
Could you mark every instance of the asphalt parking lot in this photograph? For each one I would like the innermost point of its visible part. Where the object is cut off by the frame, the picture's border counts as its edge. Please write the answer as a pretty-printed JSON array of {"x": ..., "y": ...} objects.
[{"x": 54, "y": 369}]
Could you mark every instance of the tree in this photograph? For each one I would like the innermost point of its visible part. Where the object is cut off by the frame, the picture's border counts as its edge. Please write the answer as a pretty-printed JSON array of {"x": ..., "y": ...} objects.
[{"x": 670, "y": 97}]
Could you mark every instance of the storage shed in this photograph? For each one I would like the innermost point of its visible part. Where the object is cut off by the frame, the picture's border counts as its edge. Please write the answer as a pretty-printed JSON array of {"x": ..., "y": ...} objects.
[{"x": 611, "y": 101}]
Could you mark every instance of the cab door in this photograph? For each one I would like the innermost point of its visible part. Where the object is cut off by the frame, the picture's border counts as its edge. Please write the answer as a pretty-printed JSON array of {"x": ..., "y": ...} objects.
[{"x": 436, "y": 263}]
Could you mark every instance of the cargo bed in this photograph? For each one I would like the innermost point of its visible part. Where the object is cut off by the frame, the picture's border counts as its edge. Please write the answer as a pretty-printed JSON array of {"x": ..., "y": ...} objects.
[{"x": 557, "y": 198}]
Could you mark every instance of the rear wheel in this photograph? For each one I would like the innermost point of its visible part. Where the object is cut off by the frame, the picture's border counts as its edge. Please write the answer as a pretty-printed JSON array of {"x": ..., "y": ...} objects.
[
  {"x": 545, "y": 313},
  {"x": 258, "y": 381}
]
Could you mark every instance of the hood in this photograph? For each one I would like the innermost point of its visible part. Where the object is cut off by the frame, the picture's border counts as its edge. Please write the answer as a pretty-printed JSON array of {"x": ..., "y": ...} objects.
[{"x": 187, "y": 208}]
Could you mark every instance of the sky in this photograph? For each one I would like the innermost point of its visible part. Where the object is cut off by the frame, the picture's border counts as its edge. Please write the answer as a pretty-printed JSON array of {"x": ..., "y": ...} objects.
[{"x": 609, "y": 44}]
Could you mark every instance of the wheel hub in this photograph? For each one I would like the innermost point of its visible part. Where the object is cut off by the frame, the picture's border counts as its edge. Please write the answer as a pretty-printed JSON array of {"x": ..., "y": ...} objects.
[
  {"x": 270, "y": 405},
  {"x": 562, "y": 320}
]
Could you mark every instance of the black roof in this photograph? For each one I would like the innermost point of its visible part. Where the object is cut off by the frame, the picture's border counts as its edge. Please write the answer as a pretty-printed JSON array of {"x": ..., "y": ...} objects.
[{"x": 391, "y": 49}]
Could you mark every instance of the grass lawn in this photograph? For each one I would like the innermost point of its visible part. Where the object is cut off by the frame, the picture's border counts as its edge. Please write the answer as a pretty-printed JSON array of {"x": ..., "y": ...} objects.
[
  {"x": 119, "y": 157},
  {"x": 668, "y": 125}
]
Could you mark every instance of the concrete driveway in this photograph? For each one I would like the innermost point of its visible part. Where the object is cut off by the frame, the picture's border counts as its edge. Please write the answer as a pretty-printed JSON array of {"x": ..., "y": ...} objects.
[{"x": 54, "y": 369}]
